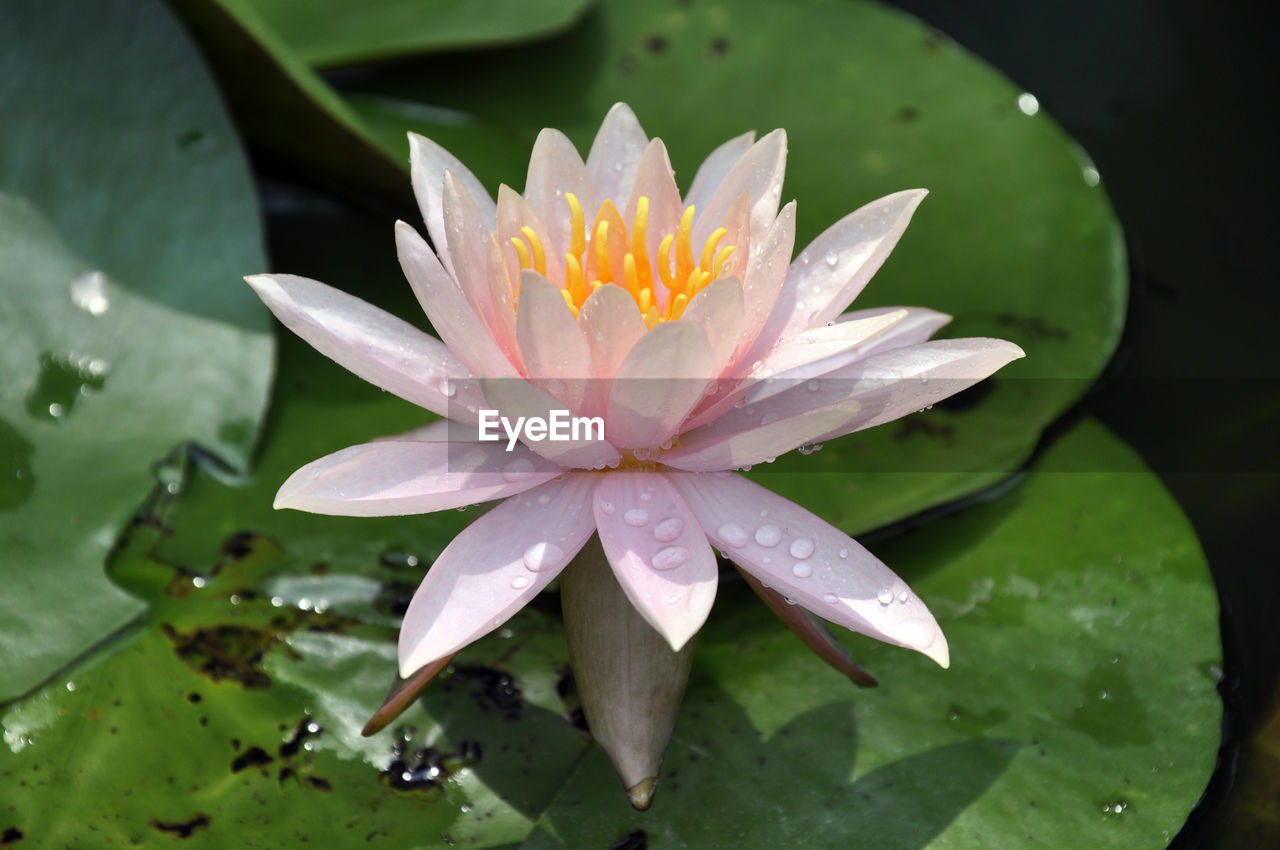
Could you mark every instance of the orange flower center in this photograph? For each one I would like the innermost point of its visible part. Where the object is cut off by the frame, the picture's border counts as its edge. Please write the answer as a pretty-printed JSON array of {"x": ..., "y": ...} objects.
[{"x": 592, "y": 260}]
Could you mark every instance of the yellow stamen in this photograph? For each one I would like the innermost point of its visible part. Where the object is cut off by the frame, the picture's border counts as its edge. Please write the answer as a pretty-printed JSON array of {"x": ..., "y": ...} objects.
[
  {"x": 684, "y": 244},
  {"x": 639, "y": 235},
  {"x": 675, "y": 306},
  {"x": 709, "y": 247},
  {"x": 568, "y": 299},
  {"x": 629, "y": 271},
  {"x": 573, "y": 283},
  {"x": 523, "y": 252},
  {"x": 721, "y": 259},
  {"x": 652, "y": 318},
  {"x": 664, "y": 261},
  {"x": 539, "y": 257},
  {"x": 644, "y": 299},
  {"x": 577, "y": 226},
  {"x": 601, "y": 244}
]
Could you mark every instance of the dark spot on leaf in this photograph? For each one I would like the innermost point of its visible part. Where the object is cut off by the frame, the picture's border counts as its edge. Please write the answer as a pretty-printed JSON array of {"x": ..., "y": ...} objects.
[
  {"x": 1034, "y": 327},
  {"x": 718, "y": 47},
  {"x": 918, "y": 425},
  {"x": 252, "y": 757},
  {"x": 319, "y": 783},
  {"x": 285, "y": 774},
  {"x": 12, "y": 835},
  {"x": 17, "y": 480},
  {"x": 393, "y": 598},
  {"x": 655, "y": 44},
  {"x": 578, "y": 720},
  {"x": 470, "y": 751},
  {"x": 319, "y": 568},
  {"x": 189, "y": 138},
  {"x": 60, "y": 383},
  {"x": 628, "y": 63},
  {"x": 194, "y": 697},
  {"x": 183, "y": 829},
  {"x": 636, "y": 839},
  {"x": 424, "y": 768},
  {"x": 307, "y": 728},
  {"x": 235, "y": 744},
  {"x": 907, "y": 115},
  {"x": 497, "y": 690},
  {"x": 238, "y": 546},
  {"x": 225, "y": 652}
]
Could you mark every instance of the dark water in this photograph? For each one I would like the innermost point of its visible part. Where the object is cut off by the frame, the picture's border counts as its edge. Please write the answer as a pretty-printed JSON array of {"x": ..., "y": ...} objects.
[{"x": 1177, "y": 103}]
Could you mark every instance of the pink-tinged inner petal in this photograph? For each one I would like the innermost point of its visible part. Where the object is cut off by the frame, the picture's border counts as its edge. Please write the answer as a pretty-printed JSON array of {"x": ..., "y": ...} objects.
[
  {"x": 427, "y": 164},
  {"x": 494, "y": 567},
  {"x": 615, "y": 153},
  {"x": 759, "y": 174},
  {"x": 658, "y": 551},
  {"x": 556, "y": 169},
  {"x": 611, "y": 325},
  {"x": 765, "y": 276},
  {"x": 714, "y": 168},
  {"x": 657, "y": 385},
  {"x": 397, "y": 478},
  {"x": 655, "y": 180},
  {"x": 385, "y": 351},
  {"x": 835, "y": 267},
  {"x": 759, "y": 438},
  {"x": 515, "y": 214},
  {"x": 805, "y": 559},
  {"x": 448, "y": 309},
  {"x": 515, "y": 398},
  {"x": 555, "y": 353},
  {"x": 719, "y": 309}
]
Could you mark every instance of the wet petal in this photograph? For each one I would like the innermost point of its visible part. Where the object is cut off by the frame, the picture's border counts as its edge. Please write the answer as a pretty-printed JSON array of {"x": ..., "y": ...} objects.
[
  {"x": 655, "y": 180},
  {"x": 611, "y": 325},
  {"x": 661, "y": 380},
  {"x": 556, "y": 168},
  {"x": 765, "y": 276},
  {"x": 713, "y": 169},
  {"x": 469, "y": 237},
  {"x": 515, "y": 397},
  {"x": 802, "y": 557},
  {"x": 494, "y": 567},
  {"x": 658, "y": 552},
  {"x": 555, "y": 353},
  {"x": 615, "y": 153},
  {"x": 759, "y": 173},
  {"x": 718, "y": 308},
  {"x": 396, "y": 478},
  {"x": 450, "y": 313},
  {"x": 755, "y": 437},
  {"x": 385, "y": 351},
  {"x": 427, "y": 165}
]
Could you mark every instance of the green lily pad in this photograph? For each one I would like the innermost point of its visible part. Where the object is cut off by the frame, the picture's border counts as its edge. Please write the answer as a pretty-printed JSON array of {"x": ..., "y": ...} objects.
[
  {"x": 337, "y": 32},
  {"x": 126, "y": 221},
  {"x": 1080, "y": 707}
]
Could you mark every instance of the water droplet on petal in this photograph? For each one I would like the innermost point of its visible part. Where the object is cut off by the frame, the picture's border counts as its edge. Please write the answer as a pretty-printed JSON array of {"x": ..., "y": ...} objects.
[
  {"x": 802, "y": 569},
  {"x": 801, "y": 547},
  {"x": 903, "y": 596},
  {"x": 768, "y": 535},
  {"x": 519, "y": 582},
  {"x": 668, "y": 529},
  {"x": 636, "y": 517},
  {"x": 885, "y": 596},
  {"x": 447, "y": 388},
  {"x": 830, "y": 598},
  {"x": 542, "y": 555},
  {"x": 844, "y": 553},
  {"x": 831, "y": 259},
  {"x": 732, "y": 534},
  {"x": 670, "y": 557},
  {"x": 607, "y": 508},
  {"x": 520, "y": 469},
  {"x": 544, "y": 499}
]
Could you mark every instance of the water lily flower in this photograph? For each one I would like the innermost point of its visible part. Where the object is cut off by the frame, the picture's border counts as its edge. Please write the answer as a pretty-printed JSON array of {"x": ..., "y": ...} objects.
[{"x": 684, "y": 326}]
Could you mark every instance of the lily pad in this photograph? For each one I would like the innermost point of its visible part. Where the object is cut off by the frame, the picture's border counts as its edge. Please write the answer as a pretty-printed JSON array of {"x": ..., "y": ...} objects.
[
  {"x": 127, "y": 218},
  {"x": 339, "y": 32}
]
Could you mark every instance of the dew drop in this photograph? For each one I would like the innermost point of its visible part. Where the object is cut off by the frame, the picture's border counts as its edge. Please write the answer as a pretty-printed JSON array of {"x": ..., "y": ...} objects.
[
  {"x": 519, "y": 581},
  {"x": 539, "y": 556},
  {"x": 732, "y": 534},
  {"x": 89, "y": 293},
  {"x": 768, "y": 535},
  {"x": 670, "y": 557},
  {"x": 802, "y": 569},
  {"x": 544, "y": 499},
  {"x": 668, "y": 529},
  {"x": 830, "y": 598},
  {"x": 607, "y": 508},
  {"x": 520, "y": 469},
  {"x": 885, "y": 596},
  {"x": 903, "y": 596},
  {"x": 636, "y": 517},
  {"x": 673, "y": 599},
  {"x": 844, "y": 553},
  {"x": 801, "y": 547},
  {"x": 831, "y": 259},
  {"x": 447, "y": 388},
  {"x": 790, "y": 600}
]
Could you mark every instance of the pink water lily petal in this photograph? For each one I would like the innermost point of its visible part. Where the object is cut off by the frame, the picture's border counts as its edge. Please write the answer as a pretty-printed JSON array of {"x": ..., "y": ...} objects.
[
  {"x": 396, "y": 478},
  {"x": 439, "y": 431},
  {"x": 718, "y": 308},
  {"x": 714, "y": 168},
  {"x": 555, "y": 353},
  {"x": 802, "y": 557},
  {"x": 611, "y": 324},
  {"x": 514, "y": 213},
  {"x": 494, "y": 567},
  {"x": 657, "y": 385},
  {"x": 615, "y": 153},
  {"x": 555, "y": 169},
  {"x": 450, "y": 313},
  {"x": 758, "y": 437},
  {"x": 766, "y": 275},
  {"x": 503, "y": 298},
  {"x": 758, "y": 172},
  {"x": 469, "y": 238},
  {"x": 385, "y": 351},
  {"x": 655, "y": 180},
  {"x": 427, "y": 165},
  {"x": 658, "y": 552},
  {"x": 515, "y": 397},
  {"x": 835, "y": 267},
  {"x": 918, "y": 326}
]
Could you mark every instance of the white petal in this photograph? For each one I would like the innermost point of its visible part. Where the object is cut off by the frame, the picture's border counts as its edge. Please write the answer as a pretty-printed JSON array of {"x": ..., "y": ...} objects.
[
  {"x": 714, "y": 168},
  {"x": 555, "y": 169},
  {"x": 661, "y": 380},
  {"x": 385, "y": 351},
  {"x": 658, "y": 552},
  {"x": 766, "y": 275},
  {"x": 611, "y": 324},
  {"x": 469, "y": 240},
  {"x": 427, "y": 165},
  {"x": 484, "y": 575},
  {"x": 450, "y": 313},
  {"x": 718, "y": 308},
  {"x": 615, "y": 153},
  {"x": 555, "y": 353},
  {"x": 391, "y": 478},
  {"x": 755, "y": 436},
  {"x": 759, "y": 173},
  {"x": 655, "y": 180},
  {"x": 836, "y": 578}
]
